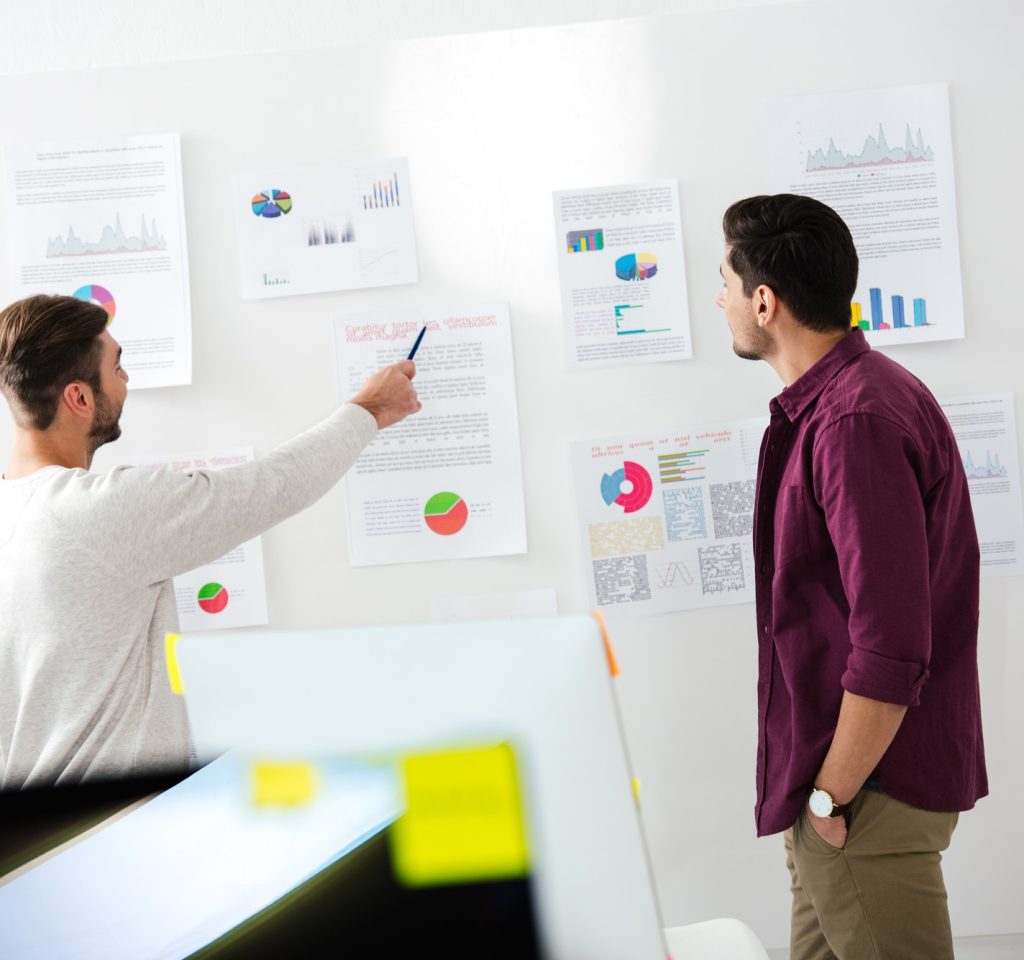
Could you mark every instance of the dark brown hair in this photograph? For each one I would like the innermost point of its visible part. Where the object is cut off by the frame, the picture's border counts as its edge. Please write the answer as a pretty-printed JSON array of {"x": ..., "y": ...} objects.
[
  {"x": 799, "y": 247},
  {"x": 45, "y": 344}
]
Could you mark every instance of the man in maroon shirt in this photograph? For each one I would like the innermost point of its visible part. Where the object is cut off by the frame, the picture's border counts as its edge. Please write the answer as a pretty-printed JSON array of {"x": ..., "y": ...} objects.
[{"x": 869, "y": 721}]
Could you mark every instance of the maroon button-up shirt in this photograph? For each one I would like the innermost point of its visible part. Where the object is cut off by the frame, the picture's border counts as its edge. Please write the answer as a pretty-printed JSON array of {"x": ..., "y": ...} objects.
[{"x": 867, "y": 580}]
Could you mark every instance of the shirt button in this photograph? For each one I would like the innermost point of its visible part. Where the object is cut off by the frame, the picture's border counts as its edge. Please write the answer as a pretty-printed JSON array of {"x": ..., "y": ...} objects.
[
  {"x": 764, "y": 629},
  {"x": 764, "y": 569}
]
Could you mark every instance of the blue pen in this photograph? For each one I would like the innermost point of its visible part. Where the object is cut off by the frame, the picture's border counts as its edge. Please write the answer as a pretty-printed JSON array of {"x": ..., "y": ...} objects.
[{"x": 416, "y": 345}]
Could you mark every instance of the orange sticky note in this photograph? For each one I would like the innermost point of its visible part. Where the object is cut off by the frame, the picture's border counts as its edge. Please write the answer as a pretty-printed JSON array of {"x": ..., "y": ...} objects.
[
  {"x": 173, "y": 674},
  {"x": 463, "y": 819},
  {"x": 282, "y": 784}
]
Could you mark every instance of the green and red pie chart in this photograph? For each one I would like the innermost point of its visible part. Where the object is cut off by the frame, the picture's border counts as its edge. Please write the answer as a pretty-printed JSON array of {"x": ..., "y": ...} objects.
[
  {"x": 212, "y": 598},
  {"x": 446, "y": 513}
]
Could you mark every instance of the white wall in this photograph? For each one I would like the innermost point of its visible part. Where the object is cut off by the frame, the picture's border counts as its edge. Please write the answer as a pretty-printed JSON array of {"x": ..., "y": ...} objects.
[{"x": 499, "y": 120}]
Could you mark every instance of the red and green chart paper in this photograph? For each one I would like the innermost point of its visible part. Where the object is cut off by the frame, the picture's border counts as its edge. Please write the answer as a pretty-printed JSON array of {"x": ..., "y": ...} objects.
[{"x": 446, "y": 483}]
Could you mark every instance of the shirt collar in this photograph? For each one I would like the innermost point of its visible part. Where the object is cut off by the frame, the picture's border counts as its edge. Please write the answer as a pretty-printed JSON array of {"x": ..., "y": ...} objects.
[{"x": 800, "y": 394}]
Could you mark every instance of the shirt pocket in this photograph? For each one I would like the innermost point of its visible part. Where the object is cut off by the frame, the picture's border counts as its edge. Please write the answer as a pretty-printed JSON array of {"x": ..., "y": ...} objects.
[{"x": 791, "y": 539}]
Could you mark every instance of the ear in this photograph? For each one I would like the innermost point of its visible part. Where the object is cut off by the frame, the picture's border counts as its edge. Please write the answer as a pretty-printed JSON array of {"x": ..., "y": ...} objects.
[
  {"x": 77, "y": 399},
  {"x": 765, "y": 305}
]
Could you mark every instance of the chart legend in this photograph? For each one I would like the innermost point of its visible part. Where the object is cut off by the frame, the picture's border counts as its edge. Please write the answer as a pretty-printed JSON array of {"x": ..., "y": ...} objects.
[
  {"x": 446, "y": 513},
  {"x": 94, "y": 293}
]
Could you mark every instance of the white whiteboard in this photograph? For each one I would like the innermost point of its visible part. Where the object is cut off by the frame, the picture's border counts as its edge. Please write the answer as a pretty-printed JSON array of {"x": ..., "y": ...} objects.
[{"x": 492, "y": 124}]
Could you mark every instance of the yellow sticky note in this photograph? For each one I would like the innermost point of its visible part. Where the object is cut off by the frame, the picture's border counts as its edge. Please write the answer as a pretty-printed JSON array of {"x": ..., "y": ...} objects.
[
  {"x": 282, "y": 784},
  {"x": 463, "y": 819},
  {"x": 173, "y": 675},
  {"x": 636, "y": 791}
]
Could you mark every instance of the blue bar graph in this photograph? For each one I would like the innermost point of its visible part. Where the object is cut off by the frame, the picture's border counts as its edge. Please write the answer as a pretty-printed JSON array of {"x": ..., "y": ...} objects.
[
  {"x": 876, "y": 308},
  {"x": 383, "y": 193},
  {"x": 897, "y": 312},
  {"x": 920, "y": 315}
]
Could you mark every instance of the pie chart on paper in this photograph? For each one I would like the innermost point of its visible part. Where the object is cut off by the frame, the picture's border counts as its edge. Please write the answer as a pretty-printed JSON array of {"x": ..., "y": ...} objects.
[
  {"x": 636, "y": 266},
  {"x": 212, "y": 598},
  {"x": 94, "y": 293},
  {"x": 446, "y": 513},
  {"x": 271, "y": 203}
]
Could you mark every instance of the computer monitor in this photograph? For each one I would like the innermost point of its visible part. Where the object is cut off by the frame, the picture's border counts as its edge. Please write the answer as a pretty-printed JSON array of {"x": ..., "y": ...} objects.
[
  {"x": 200, "y": 870},
  {"x": 543, "y": 685}
]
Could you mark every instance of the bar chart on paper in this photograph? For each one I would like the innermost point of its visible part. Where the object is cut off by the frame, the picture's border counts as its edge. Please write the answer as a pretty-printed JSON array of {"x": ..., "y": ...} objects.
[
  {"x": 882, "y": 159},
  {"x": 582, "y": 241},
  {"x": 898, "y": 317},
  {"x": 383, "y": 193},
  {"x": 325, "y": 233}
]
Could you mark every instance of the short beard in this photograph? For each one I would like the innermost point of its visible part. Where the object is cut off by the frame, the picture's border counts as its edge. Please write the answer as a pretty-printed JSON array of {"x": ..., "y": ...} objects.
[
  {"x": 760, "y": 345},
  {"x": 747, "y": 354},
  {"x": 105, "y": 427}
]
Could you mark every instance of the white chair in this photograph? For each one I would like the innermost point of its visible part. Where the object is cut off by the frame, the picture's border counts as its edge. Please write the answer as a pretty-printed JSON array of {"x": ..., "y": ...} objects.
[{"x": 722, "y": 939}]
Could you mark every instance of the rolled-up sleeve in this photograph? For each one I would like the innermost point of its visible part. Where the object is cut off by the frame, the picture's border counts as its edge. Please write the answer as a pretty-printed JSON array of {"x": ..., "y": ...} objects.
[{"x": 867, "y": 482}]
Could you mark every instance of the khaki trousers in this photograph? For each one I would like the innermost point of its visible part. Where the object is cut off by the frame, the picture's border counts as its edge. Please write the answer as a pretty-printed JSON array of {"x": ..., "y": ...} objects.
[{"x": 881, "y": 897}]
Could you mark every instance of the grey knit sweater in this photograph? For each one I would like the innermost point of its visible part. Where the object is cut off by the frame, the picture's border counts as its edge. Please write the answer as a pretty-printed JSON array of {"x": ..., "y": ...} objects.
[{"x": 86, "y": 598}]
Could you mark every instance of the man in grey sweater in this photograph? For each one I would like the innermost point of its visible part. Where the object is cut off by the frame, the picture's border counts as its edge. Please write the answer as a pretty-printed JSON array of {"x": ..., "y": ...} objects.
[{"x": 86, "y": 560}]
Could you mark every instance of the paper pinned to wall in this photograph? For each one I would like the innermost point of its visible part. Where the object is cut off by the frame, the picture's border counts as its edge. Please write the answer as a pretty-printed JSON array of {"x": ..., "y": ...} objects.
[
  {"x": 986, "y": 433},
  {"x": 104, "y": 221},
  {"x": 883, "y": 160},
  {"x": 667, "y": 520},
  {"x": 623, "y": 277},
  {"x": 446, "y": 482},
  {"x": 328, "y": 226},
  {"x": 231, "y": 591}
]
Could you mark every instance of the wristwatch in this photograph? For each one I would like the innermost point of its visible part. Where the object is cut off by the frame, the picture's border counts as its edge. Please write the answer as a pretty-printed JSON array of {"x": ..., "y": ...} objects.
[{"x": 822, "y": 805}]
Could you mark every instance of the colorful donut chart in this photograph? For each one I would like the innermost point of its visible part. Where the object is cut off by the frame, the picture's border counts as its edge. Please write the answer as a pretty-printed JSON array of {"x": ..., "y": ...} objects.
[
  {"x": 94, "y": 293},
  {"x": 637, "y": 497}
]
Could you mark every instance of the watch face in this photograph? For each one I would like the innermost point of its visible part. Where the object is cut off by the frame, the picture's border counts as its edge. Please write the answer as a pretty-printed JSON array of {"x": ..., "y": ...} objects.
[{"x": 820, "y": 803}]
